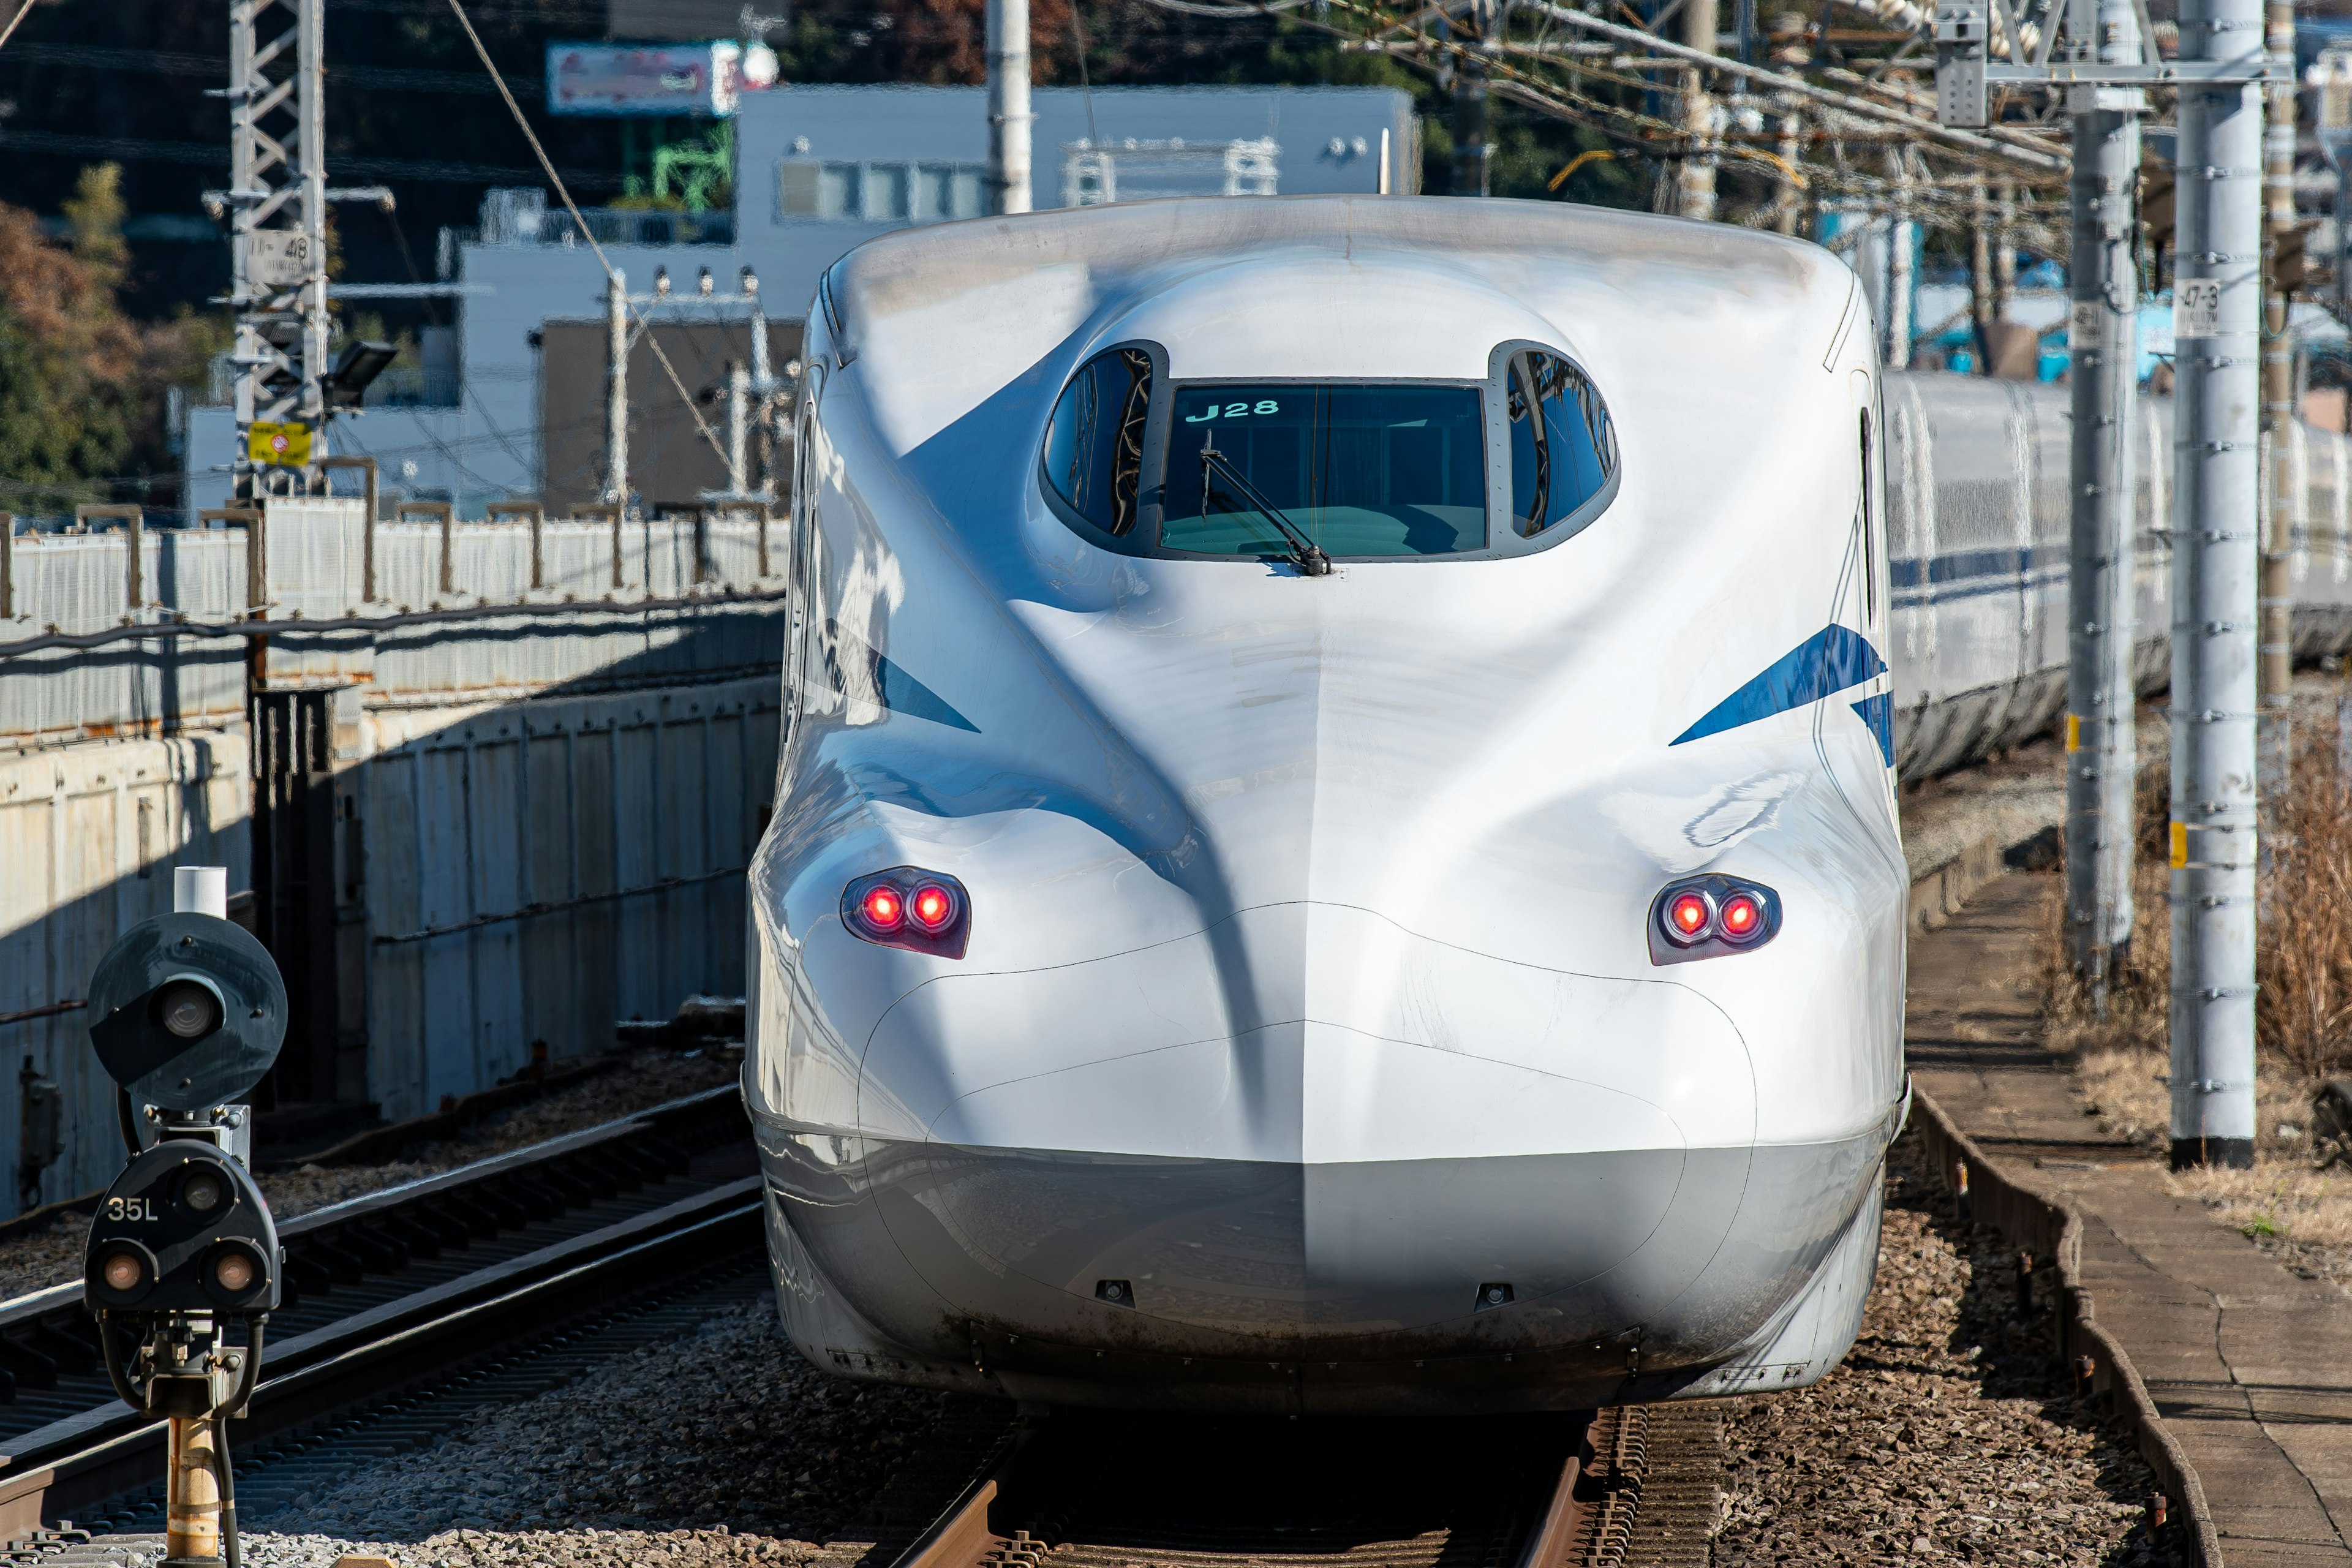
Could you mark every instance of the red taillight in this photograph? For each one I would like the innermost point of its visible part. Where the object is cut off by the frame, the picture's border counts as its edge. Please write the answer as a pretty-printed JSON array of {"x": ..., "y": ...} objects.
[
  {"x": 1688, "y": 916},
  {"x": 933, "y": 907},
  {"x": 883, "y": 909},
  {"x": 1742, "y": 917}
]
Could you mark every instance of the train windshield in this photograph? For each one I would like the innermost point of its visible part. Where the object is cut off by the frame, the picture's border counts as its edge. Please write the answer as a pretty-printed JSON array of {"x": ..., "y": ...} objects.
[{"x": 1359, "y": 470}]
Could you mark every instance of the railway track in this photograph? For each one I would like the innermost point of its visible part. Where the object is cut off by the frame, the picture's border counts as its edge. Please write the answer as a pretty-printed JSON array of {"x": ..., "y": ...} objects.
[
  {"x": 403, "y": 1288},
  {"x": 1632, "y": 1488},
  {"x": 412, "y": 1308}
]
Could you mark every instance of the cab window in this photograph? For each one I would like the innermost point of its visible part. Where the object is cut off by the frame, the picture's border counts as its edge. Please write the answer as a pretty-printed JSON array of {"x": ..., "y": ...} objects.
[
  {"x": 1094, "y": 447},
  {"x": 1563, "y": 447}
]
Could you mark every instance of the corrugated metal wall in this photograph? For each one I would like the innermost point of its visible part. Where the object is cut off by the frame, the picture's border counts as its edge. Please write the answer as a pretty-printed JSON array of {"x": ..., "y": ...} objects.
[
  {"x": 88, "y": 837},
  {"x": 536, "y": 871},
  {"x": 540, "y": 820}
]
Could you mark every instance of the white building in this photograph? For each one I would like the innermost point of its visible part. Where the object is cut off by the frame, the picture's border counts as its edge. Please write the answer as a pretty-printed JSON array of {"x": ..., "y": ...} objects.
[{"x": 818, "y": 170}]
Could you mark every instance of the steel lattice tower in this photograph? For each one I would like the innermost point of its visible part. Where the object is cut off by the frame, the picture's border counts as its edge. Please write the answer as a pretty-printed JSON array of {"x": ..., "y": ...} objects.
[{"x": 276, "y": 203}]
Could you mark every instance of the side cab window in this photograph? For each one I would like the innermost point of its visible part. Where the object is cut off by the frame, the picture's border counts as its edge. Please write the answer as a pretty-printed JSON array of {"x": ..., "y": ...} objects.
[
  {"x": 1563, "y": 447},
  {"x": 1094, "y": 446}
]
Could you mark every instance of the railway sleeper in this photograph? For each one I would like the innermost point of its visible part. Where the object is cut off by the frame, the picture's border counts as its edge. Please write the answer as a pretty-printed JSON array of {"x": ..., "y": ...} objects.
[
  {"x": 377, "y": 1251},
  {"x": 630, "y": 1165},
  {"x": 340, "y": 1266},
  {"x": 419, "y": 1241},
  {"x": 478, "y": 1221},
  {"x": 566, "y": 1181},
  {"x": 70, "y": 1349},
  {"x": 27, "y": 1365},
  {"x": 506, "y": 1212},
  {"x": 540, "y": 1198}
]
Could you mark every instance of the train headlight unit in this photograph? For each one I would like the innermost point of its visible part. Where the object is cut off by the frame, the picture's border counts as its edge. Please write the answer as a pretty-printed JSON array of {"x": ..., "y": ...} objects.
[
  {"x": 905, "y": 906},
  {"x": 1712, "y": 916}
]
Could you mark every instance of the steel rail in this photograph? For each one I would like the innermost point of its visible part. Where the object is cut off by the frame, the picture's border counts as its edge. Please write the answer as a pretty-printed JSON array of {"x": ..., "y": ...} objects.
[
  {"x": 420, "y": 1332},
  {"x": 86, "y": 1459},
  {"x": 1559, "y": 1530}
]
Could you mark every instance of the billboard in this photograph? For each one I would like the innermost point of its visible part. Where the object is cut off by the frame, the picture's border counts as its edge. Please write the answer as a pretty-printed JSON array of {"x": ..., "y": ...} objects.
[{"x": 644, "y": 78}]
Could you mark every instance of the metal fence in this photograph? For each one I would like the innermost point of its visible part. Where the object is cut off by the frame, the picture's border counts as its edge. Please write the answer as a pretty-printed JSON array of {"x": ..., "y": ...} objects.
[{"x": 659, "y": 598}]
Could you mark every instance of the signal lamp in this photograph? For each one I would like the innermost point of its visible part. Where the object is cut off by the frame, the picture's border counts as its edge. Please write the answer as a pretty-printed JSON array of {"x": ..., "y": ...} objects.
[
  {"x": 203, "y": 1193},
  {"x": 933, "y": 907},
  {"x": 1688, "y": 914},
  {"x": 234, "y": 1272},
  {"x": 1742, "y": 917},
  {"x": 883, "y": 908},
  {"x": 187, "y": 1009},
  {"x": 120, "y": 1272}
]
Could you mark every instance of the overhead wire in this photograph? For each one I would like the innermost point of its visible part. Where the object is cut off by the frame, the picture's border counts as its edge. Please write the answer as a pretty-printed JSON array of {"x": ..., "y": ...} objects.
[
  {"x": 10, "y": 31},
  {"x": 611, "y": 277}
]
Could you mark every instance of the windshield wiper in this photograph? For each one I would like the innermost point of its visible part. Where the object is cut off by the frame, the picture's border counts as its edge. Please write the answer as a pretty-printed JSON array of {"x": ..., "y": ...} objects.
[{"x": 1305, "y": 553}]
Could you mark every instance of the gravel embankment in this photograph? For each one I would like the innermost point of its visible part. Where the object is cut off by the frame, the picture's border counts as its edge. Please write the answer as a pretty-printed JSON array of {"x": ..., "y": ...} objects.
[
  {"x": 727, "y": 1447},
  {"x": 1947, "y": 1435},
  {"x": 53, "y": 1256}
]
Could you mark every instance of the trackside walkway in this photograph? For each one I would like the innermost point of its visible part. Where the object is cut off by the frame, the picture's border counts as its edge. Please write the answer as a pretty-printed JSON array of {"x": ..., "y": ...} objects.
[{"x": 2249, "y": 1365}]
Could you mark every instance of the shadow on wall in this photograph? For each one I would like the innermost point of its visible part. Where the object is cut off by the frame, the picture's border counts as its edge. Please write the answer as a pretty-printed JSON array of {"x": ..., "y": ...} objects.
[{"x": 444, "y": 875}]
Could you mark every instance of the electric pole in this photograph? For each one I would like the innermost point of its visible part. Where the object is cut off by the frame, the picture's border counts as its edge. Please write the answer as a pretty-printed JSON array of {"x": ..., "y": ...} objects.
[
  {"x": 277, "y": 208},
  {"x": 1696, "y": 197},
  {"x": 2217, "y": 536},
  {"x": 2217, "y": 521},
  {"x": 1008, "y": 105},
  {"x": 1473, "y": 152},
  {"x": 2102, "y": 759},
  {"x": 616, "y": 404}
]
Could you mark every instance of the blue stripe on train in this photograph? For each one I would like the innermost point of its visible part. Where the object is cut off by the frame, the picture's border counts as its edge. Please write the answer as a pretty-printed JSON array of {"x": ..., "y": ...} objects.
[{"x": 1830, "y": 660}]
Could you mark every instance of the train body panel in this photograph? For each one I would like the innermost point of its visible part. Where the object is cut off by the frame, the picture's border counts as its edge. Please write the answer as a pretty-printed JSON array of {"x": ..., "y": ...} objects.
[{"x": 1309, "y": 988}]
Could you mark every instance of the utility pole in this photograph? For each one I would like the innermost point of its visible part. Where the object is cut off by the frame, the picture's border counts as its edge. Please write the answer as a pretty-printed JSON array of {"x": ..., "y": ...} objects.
[
  {"x": 277, "y": 207},
  {"x": 1980, "y": 309},
  {"x": 1696, "y": 197},
  {"x": 1473, "y": 152},
  {"x": 738, "y": 425},
  {"x": 2217, "y": 520},
  {"x": 2103, "y": 339},
  {"x": 616, "y": 398},
  {"x": 2217, "y": 320},
  {"x": 1008, "y": 105},
  {"x": 2278, "y": 388},
  {"x": 1902, "y": 261},
  {"x": 1792, "y": 199},
  {"x": 2004, "y": 251}
]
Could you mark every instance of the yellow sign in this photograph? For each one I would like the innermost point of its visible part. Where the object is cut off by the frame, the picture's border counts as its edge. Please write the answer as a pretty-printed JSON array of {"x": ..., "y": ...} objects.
[
  {"x": 2179, "y": 846},
  {"x": 2074, "y": 732},
  {"x": 286, "y": 445}
]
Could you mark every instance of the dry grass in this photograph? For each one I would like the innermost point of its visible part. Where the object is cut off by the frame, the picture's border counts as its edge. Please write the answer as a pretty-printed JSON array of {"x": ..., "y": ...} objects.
[{"x": 2303, "y": 1020}]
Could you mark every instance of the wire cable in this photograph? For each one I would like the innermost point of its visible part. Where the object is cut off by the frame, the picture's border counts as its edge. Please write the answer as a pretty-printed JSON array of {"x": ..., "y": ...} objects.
[
  {"x": 10, "y": 31},
  {"x": 611, "y": 277}
]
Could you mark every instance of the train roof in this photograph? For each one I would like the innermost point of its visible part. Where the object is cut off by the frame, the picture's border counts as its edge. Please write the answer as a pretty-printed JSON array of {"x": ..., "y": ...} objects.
[{"x": 945, "y": 317}]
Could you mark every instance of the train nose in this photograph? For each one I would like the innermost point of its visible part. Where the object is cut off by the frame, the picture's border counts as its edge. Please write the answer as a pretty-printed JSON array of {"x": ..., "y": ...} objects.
[{"x": 1305, "y": 1123}]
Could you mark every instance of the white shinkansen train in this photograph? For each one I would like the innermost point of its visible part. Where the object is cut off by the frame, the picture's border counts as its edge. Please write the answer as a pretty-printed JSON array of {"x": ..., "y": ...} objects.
[{"x": 1336, "y": 848}]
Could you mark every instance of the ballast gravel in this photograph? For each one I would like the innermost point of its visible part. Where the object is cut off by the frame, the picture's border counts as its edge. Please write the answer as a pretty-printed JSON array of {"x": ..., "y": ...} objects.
[
  {"x": 726, "y": 1448},
  {"x": 1948, "y": 1435}
]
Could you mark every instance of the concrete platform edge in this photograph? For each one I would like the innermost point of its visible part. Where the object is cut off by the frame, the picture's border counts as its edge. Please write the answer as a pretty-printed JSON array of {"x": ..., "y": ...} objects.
[{"x": 2052, "y": 1229}]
